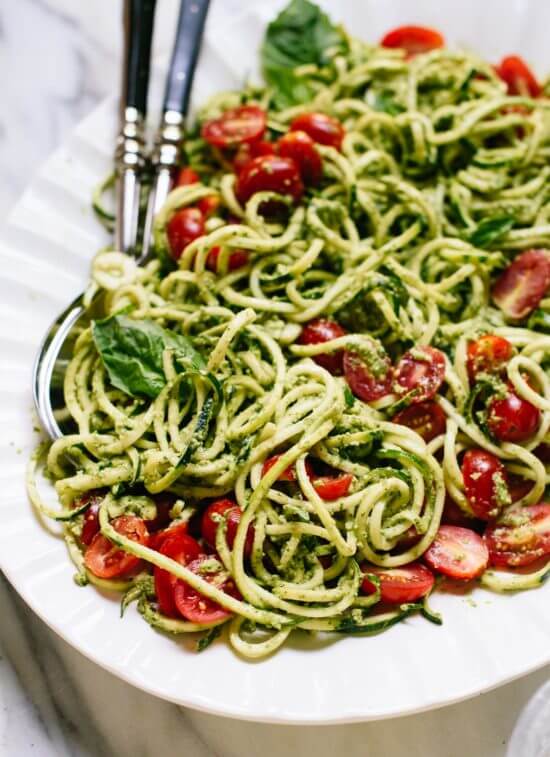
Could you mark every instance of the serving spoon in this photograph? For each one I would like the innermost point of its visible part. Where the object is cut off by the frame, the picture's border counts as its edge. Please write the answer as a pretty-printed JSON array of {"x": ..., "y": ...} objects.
[{"x": 130, "y": 158}]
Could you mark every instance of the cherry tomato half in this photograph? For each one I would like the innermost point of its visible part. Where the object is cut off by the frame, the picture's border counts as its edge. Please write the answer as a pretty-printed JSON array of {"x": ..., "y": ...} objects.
[
  {"x": 485, "y": 483},
  {"x": 521, "y": 287},
  {"x": 322, "y": 129},
  {"x": 519, "y": 78},
  {"x": 105, "y": 560},
  {"x": 398, "y": 585},
  {"x": 426, "y": 418},
  {"x": 332, "y": 487},
  {"x": 271, "y": 173},
  {"x": 184, "y": 227},
  {"x": 212, "y": 516},
  {"x": 323, "y": 330},
  {"x": 207, "y": 205},
  {"x": 520, "y": 537},
  {"x": 512, "y": 419},
  {"x": 90, "y": 525},
  {"x": 157, "y": 539},
  {"x": 194, "y": 606},
  {"x": 453, "y": 516},
  {"x": 289, "y": 474},
  {"x": 237, "y": 259},
  {"x": 488, "y": 354},
  {"x": 413, "y": 39},
  {"x": 421, "y": 372},
  {"x": 246, "y": 152},
  {"x": 183, "y": 549},
  {"x": 458, "y": 553},
  {"x": 369, "y": 382},
  {"x": 300, "y": 147},
  {"x": 243, "y": 124}
]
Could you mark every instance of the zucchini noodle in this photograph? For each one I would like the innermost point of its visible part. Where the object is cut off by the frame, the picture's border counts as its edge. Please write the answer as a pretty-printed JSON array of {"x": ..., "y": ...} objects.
[{"x": 390, "y": 245}]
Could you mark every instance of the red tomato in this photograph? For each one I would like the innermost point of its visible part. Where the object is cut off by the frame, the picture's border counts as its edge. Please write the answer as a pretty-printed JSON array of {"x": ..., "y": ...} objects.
[
  {"x": 246, "y": 152},
  {"x": 332, "y": 487},
  {"x": 322, "y": 129},
  {"x": 237, "y": 259},
  {"x": 300, "y": 146},
  {"x": 369, "y": 382},
  {"x": 194, "y": 606},
  {"x": 519, "y": 487},
  {"x": 518, "y": 77},
  {"x": 520, "y": 537},
  {"x": 207, "y": 205},
  {"x": 243, "y": 124},
  {"x": 457, "y": 552},
  {"x": 421, "y": 372},
  {"x": 399, "y": 585},
  {"x": 105, "y": 560},
  {"x": 319, "y": 331},
  {"x": 186, "y": 176},
  {"x": 164, "y": 502},
  {"x": 158, "y": 538},
  {"x": 543, "y": 453},
  {"x": 269, "y": 173},
  {"x": 90, "y": 525},
  {"x": 426, "y": 418},
  {"x": 212, "y": 517},
  {"x": 185, "y": 226},
  {"x": 485, "y": 483},
  {"x": 453, "y": 516},
  {"x": 183, "y": 549},
  {"x": 413, "y": 39},
  {"x": 521, "y": 287},
  {"x": 512, "y": 419},
  {"x": 488, "y": 354}
]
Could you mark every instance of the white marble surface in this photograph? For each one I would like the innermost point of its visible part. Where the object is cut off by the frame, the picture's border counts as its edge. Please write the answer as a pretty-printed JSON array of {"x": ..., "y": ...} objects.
[{"x": 58, "y": 58}]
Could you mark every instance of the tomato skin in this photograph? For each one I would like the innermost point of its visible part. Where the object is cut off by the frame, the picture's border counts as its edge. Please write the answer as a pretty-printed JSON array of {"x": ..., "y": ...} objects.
[
  {"x": 90, "y": 525},
  {"x": 289, "y": 474},
  {"x": 184, "y": 227},
  {"x": 246, "y": 152},
  {"x": 207, "y": 205},
  {"x": 235, "y": 126},
  {"x": 422, "y": 378},
  {"x": 520, "y": 537},
  {"x": 543, "y": 453},
  {"x": 237, "y": 259},
  {"x": 512, "y": 419},
  {"x": 158, "y": 538},
  {"x": 269, "y": 173},
  {"x": 323, "y": 330},
  {"x": 453, "y": 516},
  {"x": 484, "y": 476},
  {"x": 333, "y": 487},
  {"x": 105, "y": 560},
  {"x": 458, "y": 553},
  {"x": 398, "y": 585},
  {"x": 522, "y": 285},
  {"x": 519, "y": 78},
  {"x": 413, "y": 39},
  {"x": 183, "y": 549},
  {"x": 488, "y": 354},
  {"x": 196, "y": 608},
  {"x": 300, "y": 147},
  {"x": 232, "y": 512},
  {"x": 363, "y": 382},
  {"x": 322, "y": 129},
  {"x": 426, "y": 418}
]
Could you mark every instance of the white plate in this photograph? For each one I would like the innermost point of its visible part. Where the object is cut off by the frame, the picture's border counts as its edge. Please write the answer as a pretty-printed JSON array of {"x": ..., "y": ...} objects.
[{"x": 45, "y": 252}]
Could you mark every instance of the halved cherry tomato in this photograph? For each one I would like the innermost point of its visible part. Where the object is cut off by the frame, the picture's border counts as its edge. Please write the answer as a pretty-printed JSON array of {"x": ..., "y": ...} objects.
[
  {"x": 207, "y": 205},
  {"x": 488, "y": 354},
  {"x": 520, "y": 537},
  {"x": 512, "y": 419},
  {"x": 521, "y": 287},
  {"x": 289, "y": 474},
  {"x": 399, "y": 585},
  {"x": 214, "y": 514},
  {"x": 246, "y": 152},
  {"x": 457, "y": 552},
  {"x": 518, "y": 76},
  {"x": 323, "y": 330},
  {"x": 453, "y": 516},
  {"x": 90, "y": 525},
  {"x": 426, "y": 418},
  {"x": 237, "y": 259},
  {"x": 485, "y": 483},
  {"x": 184, "y": 227},
  {"x": 322, "y": 129},
  {"x": 105, "y": 560},
  {"x": 421, "y": 372},
  {"x": 371, "y": 381},
  {"x": 413, "y": 39},
  {"x": 519, "y": 487},
  {"x": 186, "y": 176},
  {"x": 332, "y": 487},
  {"x": 196, "y": 607},
  {"x": 271, "y": 173},
  {"x": 157, "y": 539},
  {"x": 183, "y": 549},
  {"x": 243, "y": 124},
  {"x": 300, "y": 146}
]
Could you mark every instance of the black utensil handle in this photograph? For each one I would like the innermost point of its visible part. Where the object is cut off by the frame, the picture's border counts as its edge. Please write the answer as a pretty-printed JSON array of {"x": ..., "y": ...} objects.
[
  {"x": 184, "y": 56},
  {"x": 138, "y": 33}
]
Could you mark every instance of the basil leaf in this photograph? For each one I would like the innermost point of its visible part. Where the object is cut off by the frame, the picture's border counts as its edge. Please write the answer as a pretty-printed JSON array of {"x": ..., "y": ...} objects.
[
  {"x": 384, "y": 103},
  {"x": 132, "y": 350},
  {"x": 490, "y": 230}
]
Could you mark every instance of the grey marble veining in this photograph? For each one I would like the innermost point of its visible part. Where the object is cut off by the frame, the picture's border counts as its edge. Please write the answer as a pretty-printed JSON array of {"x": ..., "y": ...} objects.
[{"x": 58, "y": 58}]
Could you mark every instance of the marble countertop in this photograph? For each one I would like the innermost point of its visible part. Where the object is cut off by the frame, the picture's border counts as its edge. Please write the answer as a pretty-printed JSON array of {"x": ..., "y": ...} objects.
[{"x": 59, "y": 58}]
